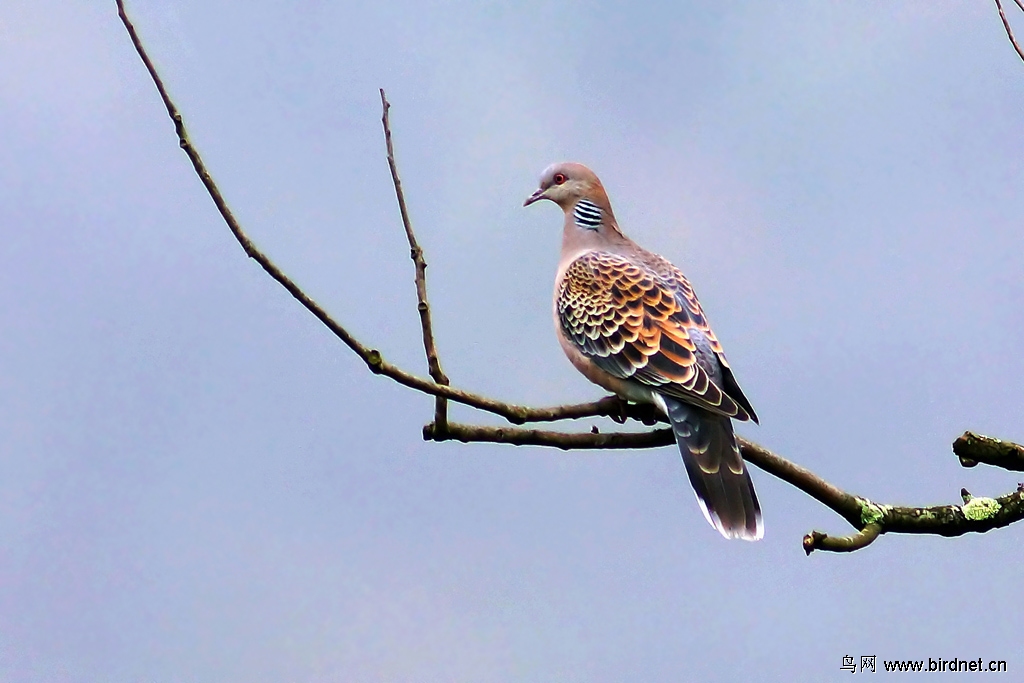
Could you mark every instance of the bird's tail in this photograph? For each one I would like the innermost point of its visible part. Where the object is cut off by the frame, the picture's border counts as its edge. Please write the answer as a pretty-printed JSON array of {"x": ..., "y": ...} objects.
[{"x": 717, "y": 473}]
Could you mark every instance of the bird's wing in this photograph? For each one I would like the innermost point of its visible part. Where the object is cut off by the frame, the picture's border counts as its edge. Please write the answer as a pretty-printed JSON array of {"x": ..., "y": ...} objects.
[
  {"x": 683, "y": 290},
  {"x": 628, "y": 320}
]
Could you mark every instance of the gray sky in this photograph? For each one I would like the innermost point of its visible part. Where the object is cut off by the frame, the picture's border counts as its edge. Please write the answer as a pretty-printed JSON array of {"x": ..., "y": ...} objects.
[{"x": 198, "y": 482}]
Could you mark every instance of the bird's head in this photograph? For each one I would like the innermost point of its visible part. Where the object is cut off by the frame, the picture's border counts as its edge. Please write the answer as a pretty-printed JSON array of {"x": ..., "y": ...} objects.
[{"x": 566, "y": 183}]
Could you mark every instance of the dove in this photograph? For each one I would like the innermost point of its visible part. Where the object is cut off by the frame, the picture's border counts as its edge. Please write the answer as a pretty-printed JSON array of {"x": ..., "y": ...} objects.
[{"x": 630, "y": 322}]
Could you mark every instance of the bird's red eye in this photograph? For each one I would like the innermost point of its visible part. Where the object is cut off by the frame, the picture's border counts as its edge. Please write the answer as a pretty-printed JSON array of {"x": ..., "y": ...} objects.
[{"x": 559, "y": 179}]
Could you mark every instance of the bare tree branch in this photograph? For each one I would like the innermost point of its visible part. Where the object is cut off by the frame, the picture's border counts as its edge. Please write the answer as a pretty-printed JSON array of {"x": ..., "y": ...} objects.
[
  {"x": 974, "y": 448},
  {"x": 1006, "y": 26},
  {"x": 566, "y": 441},
  {"x": 422, "y": 304},
  {"x": 816, "y": 540},
  {"x": 869, "y": 519},
  {"x": 976, "y": 515}
]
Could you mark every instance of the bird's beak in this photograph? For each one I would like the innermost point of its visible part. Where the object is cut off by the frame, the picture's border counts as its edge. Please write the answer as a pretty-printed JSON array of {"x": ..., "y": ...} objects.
[{"x": 536, "y": 196}]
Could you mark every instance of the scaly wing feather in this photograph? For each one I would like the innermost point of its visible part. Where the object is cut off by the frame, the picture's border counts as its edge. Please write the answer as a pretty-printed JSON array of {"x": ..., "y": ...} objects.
[
  {"x": 683, "y": 290},
  {"x": 629, "y": 319}
]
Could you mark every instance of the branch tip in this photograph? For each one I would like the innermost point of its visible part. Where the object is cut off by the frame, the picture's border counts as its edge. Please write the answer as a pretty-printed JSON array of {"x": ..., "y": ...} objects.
[
  {"x": 973, "y": 448},
  {"x": 818, "y": 540},
  {"x": 420, "y": 263},
  {"x": 1006, "y": 27}
]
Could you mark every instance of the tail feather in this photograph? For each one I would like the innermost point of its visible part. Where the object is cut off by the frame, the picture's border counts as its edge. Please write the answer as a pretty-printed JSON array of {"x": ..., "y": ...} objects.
[{"x": 716, "y": 470}]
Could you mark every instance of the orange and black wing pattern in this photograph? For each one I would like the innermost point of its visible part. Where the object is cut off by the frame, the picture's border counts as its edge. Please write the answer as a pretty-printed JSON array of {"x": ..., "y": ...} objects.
[{"x": 638, "y": 318}]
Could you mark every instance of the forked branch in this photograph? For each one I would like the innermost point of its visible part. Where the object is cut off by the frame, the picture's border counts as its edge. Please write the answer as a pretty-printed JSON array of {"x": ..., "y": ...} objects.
[
  {"x": 869, "y": 519},
  {"x": 416, "y": 254}
]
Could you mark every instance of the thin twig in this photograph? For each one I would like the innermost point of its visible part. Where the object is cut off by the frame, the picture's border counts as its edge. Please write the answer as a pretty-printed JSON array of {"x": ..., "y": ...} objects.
[
  {"x": 1006, "y": 26},
  {"x": 817, "y": 540},
  {"x": 422, "y": 303}
]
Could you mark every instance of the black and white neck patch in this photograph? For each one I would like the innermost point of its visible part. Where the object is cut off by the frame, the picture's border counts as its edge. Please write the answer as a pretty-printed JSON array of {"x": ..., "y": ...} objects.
[{"x": 588, "y": 215}]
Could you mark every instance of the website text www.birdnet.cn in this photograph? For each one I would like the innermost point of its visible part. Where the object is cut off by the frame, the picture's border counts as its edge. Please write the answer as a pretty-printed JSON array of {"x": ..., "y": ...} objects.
[{"x": 872, "y": 664}]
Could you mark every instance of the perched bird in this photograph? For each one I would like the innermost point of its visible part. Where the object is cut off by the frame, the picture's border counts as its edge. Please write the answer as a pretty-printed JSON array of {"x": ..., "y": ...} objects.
[{"x": 630, "y": 322}]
